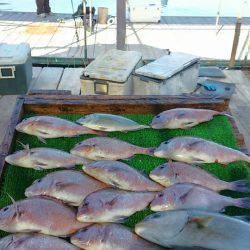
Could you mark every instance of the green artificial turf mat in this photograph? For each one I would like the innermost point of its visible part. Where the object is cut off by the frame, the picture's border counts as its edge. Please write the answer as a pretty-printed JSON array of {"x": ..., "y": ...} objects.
[{"x": 17, "y": 179}]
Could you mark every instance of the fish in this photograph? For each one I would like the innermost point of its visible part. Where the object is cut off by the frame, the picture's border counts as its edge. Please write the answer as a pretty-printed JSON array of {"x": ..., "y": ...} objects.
[
  {"x": 53, "y": 127},
  {"x": 44, "y": 158},
  {"x": 104, "y": 148},
  {"x": 110, "y": 123},
  {"x": 183, "y": 118},
  {"x": 40, "y": 215},
  {"x": 69, "y": 186},
  {"x": 193, "y": 196},
  {"x": 177, "y": 172},
  {"x": 34, "y": 242},
  {"x": 195, "y": 228},
  {"x": 196, "y": 150},
  {"x": 112, "y": 205},
  {"x": 109, "y": 236},
  {"x": 121, "y": 175}
]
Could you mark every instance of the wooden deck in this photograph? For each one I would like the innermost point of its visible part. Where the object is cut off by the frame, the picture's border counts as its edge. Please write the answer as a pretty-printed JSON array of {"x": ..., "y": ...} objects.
[{"x": 56, "y": 37}]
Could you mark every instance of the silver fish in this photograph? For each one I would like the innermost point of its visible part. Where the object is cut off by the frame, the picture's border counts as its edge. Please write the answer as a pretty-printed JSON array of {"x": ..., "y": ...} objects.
[
  {"x": 121, "y": 175},
  {"x": 177, "y": 172},
  {"x": 40, "y": 215},
  {"x": 44, "y": 158},
  {"x": 53, "y": 127},
  {"x": 183, "y": 118},
  {"x": 110, "y": 236},
  {"x": 112, "y": 205},
  {"x": 104, "y": 148},
  {"x": 195, "y": 228},
  {"x": 67, "y": 185},
  {"x": 196, "y": 150},
  {"x": 192, "y": 196},
  {"x": 34, "y": 242},
  {"x": 110, "y": 123}
]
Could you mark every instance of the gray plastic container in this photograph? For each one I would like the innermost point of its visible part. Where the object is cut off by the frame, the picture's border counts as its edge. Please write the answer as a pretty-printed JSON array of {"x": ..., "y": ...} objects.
[
  {"x": 172, "y": 74},
  {"x": 15, "y": 68},
  {"x": 111, "y": 73}
]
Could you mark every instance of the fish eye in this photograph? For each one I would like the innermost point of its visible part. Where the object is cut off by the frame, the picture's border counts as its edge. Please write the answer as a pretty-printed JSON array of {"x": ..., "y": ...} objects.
[
  {"x": 5, "y": 209},
  {"x": 165, "y": 142},
  {"x": 158, "y": 116},
  {"x": 161, "y": 167},
  {"x": 39, "y": 180},
  {"x": 160, "y": 195}
]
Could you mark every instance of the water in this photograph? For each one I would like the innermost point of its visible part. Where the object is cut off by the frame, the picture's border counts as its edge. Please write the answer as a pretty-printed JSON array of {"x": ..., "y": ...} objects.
[{"x": 170, "y": 7}]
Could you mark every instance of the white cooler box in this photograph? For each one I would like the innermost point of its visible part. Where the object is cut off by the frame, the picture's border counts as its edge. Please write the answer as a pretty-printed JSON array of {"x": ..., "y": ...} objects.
[
  {"x": 111, "y": 73},
  {"x": 173, "y": 74},
  {"x": 147, "y": 11}
]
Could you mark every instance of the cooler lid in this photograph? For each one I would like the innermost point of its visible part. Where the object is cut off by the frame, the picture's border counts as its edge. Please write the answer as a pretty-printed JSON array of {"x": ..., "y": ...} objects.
[
  {"x": 113, "y": 65},
  {"x": 11, "y": 54},
  {"x": 167, "y": 66}
]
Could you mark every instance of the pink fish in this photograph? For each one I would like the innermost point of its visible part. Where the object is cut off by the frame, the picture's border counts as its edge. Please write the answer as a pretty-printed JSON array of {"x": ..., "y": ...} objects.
[
  {"x": 196, "y": 150},
  {"x": 104, "y": 148},
  {"x": 192, "y": 196},
  {"x": 121, "y": 175},
  {"x": 183, "y": 118},
  {"x": 177, "y": 172},
  {"x": 53, "y": 127},
  {"x": 40, "y": 215}
]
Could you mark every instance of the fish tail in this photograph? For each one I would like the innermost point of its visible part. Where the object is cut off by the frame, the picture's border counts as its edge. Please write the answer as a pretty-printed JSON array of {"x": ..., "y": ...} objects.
[
  {"x": 148, "y": 151},
  {"x": 243, "y": 202},
  {"x": 226, "y": 114},
  {"x": 245, "y": 157},
  {"x": 144, "y": 126},
  {"x": 239, "y": 186}
]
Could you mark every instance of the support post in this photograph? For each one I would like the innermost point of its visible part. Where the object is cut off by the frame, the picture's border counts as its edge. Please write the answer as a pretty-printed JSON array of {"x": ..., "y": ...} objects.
[
  {"x": 235, "y": 42},
  {"x": 90, "y": 15},
  {"x": 121, "y": 24},
  {"x": 85, "y": 31}
]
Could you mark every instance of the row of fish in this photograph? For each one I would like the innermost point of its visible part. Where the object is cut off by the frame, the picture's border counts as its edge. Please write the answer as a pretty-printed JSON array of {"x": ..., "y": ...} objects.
[
  {"x": 53, "y": 127},
  {"x": 178, "y": 228},
  {"x": 184, "y": 148}
]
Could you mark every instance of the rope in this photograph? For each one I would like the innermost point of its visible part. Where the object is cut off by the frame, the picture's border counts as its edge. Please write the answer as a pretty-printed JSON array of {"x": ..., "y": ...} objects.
[{"x": 76, "y": 31}]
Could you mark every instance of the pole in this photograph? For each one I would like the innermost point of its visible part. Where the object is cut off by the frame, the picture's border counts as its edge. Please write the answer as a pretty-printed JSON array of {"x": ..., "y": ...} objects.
[
  {"x": 218, "y": 16},
  {"x": 85, "y": 31},
  {"x": 121, "y": 24},
  {"x": 90, "y": 15}
]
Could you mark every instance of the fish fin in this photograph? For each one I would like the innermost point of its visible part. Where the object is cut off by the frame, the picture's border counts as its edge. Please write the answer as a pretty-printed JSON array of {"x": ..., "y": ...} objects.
[
  {"x": 11, "y": 198},
  {"x": 197, "y": 160},
  {"x": 243, "y": 202},
  {"x": 24, "y": 146},
  {"x": 129, "y": 158},
  {"x": 148, "y": 151},
  {"x": 114, "y": 183},
  {"x": 188, "y": 124},
  {"x": 102, "y": 128},
  {"x": 183, "y": 198},
  {"x": 226, "y": 114},
  {"x": 200, "y": 221},
  {"x": 41, "y": 139},
  {"x": 21, "y": 240},
  {"x": 194, "y": 144},
  {"x": 120, "y": 219},
  {"x": 39, "y": 165},
  {"x": 39, "y": 168},
  {"x": 240, "y": 186},
  {"x": 100, "y": 133}
]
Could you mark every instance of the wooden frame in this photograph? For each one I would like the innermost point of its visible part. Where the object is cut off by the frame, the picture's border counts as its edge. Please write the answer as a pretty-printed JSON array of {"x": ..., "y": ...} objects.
[{"x": 68, "y": 104}]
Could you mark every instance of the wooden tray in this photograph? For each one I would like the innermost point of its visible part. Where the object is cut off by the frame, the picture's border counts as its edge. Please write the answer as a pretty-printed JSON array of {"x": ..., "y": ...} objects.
[{"x": 67, "y": 104}]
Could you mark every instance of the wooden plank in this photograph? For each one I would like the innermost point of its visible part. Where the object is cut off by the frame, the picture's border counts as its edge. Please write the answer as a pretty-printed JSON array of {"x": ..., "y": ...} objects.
[
  {"x": 71, "y": 80},
  {"x": 117, "y": 104},
  {"x": 7, "y": 143},
  {"x": 121, "y": 24},
  {"x": 48, "y": 79},
  {"x": 49, "y": 92}
]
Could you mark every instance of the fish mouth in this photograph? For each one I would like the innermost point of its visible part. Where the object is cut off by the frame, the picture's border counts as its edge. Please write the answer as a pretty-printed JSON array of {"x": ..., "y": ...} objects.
[
  {"x": 9, "y": 159},
  {"x": 158, "y": 153},
  {"x": 80, "y": 121}
]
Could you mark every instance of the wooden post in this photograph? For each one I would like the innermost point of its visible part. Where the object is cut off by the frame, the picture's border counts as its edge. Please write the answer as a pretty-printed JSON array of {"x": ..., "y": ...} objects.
[
  {"x": 121, "y": 24},
  {"x": 85, "y": 31},
  {"x": 235, "y": 42}
]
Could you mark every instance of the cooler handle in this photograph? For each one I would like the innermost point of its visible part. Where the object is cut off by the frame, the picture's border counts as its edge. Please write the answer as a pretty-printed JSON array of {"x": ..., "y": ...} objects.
[{"x": 11, "y": 69}]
